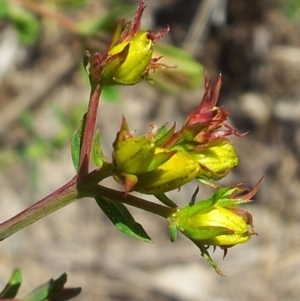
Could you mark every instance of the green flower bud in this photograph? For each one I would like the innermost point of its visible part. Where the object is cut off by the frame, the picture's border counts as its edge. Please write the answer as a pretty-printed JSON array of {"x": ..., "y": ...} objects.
[
  {"x": 216, "y": 221},
  {"x": 129, "y": 61},
  {"x": 175, "y": 172},
  {"x": 138, "y": 155},
  {"x": 215, "y": 226},
  {"x": 134, "y": 155}
]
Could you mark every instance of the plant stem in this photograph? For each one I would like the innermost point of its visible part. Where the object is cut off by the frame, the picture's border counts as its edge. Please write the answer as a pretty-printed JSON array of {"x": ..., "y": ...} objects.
[
  {"x": 56, "y": 200},
  {"x": 88, "y": 131},
  {"x": 134, "y": 201}
]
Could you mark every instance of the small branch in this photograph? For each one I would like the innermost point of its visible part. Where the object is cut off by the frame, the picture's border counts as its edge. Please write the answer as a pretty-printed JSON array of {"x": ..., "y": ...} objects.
[
  {"x": 131, "y": 200},
  {"x": 88, "y": 131},
  {"x": 56, "y": 200}
]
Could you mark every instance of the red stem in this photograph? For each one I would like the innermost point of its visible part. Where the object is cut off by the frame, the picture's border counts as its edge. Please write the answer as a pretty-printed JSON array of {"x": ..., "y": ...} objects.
[
  {"x": 54, "y": 201},
  {"x": 132, "y": 200},
  {"x": 88, "y": 131}
]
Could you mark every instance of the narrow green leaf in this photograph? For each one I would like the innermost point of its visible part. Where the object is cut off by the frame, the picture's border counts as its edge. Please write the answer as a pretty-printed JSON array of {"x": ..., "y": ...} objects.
[
  {"x": 53, "y": 290},
  {"x": 165, "y": 200},
  {"x": 60, "y": 293},
  {"x": 76, "y": 144},
  {"x": 40, "y": 293},
  {"x": 12, "y": 287},
  {"x": 206, "y": 255},
  {"x": 97, "y": 155},
  {"x": 120, "y": 216}
]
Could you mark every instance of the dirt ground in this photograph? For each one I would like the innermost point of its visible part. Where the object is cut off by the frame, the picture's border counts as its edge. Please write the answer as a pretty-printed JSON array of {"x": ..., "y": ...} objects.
[{"x": 257, "y": 48}]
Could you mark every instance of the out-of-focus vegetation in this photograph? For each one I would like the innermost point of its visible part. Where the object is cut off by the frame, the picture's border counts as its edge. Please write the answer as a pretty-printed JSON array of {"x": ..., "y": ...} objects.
[{"x": 292, "y": 8}]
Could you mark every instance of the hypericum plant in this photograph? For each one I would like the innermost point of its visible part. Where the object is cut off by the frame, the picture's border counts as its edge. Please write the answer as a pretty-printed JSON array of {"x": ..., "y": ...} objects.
[{"x": 162, "y": 160}]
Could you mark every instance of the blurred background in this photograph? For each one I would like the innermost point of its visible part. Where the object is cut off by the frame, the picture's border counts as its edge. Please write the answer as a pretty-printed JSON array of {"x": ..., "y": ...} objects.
[{"x": 44, "y": 92}]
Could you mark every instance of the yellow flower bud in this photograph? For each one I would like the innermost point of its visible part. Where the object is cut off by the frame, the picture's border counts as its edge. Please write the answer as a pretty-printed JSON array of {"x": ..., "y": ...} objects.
[
  {"x": 216, "y": 157},
  {"x": 175, "y": 172},
  {"x": 215, "y": 226},
  {"x": 135, "y": 59}
]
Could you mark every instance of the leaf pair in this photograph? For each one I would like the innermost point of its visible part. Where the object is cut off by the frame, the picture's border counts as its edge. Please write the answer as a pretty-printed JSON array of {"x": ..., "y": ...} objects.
[{"x": 50, "y": 291}]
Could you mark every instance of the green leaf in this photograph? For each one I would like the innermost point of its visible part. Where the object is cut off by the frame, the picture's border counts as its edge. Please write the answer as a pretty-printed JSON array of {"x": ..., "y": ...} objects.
[
  {"x": 97, "y": 155},
  {"x": 122, "y": 218},
  {"x": 165, "y": 200},
  {"x": 53, "y": 290},
  {"x": 12, "y": 287},
  {"x": 76, "y": 144}
]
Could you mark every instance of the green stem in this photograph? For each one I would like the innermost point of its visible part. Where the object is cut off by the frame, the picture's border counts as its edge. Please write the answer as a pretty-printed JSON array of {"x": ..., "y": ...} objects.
[
  {"x": 131, "y": 200},
  {"x": 56, "y": 200}
]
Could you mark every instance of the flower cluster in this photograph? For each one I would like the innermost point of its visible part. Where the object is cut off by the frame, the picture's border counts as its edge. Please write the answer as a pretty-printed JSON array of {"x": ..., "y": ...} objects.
[{"x": 163, "y": 160}]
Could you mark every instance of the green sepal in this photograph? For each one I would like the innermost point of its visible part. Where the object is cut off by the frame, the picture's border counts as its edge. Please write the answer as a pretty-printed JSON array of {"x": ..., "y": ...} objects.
[
  {"x": 223, "y": 197},
  {"x": 12, "y": 287},
  {"x": 205, "y": 232},
  {"x": 120, "y": 216},
  {"x": 53, "y": 290},
  {"x": 193, "y": 199},
  {"x": 160, "y": 158},
  {"x": 115, "y": 61},
  {"x": 117, "y": 33},
  {"x": 76, "y": 144},
  {"x": 163, "y": 135},
  {"x": 173, "y": 232},
  {"x": 196, "y": 208},
  {"x": 122, "y": 134},
  {"x": 97, "y": 154}
]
